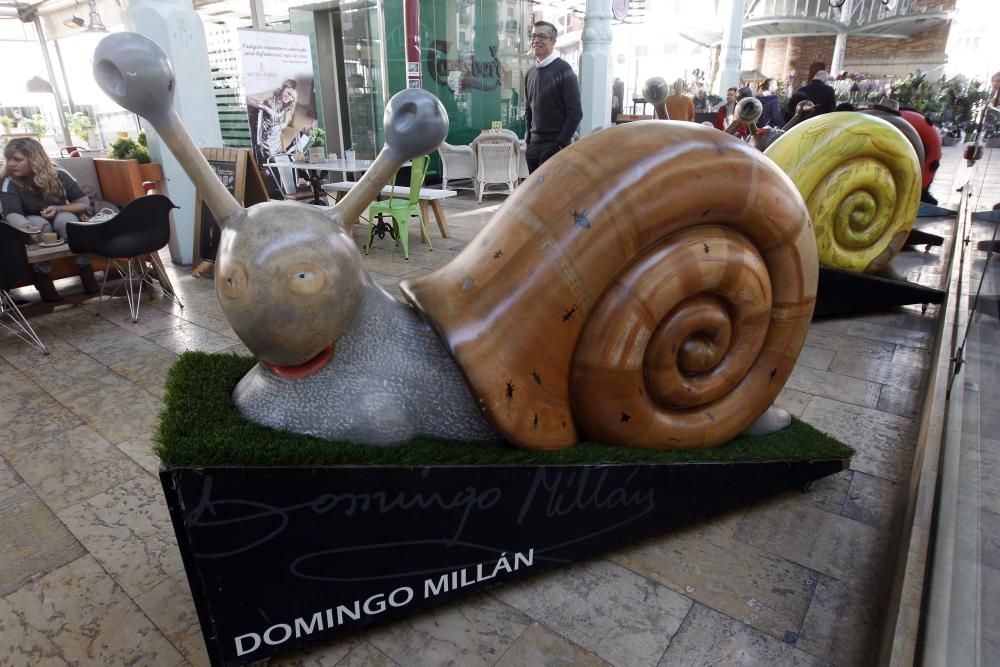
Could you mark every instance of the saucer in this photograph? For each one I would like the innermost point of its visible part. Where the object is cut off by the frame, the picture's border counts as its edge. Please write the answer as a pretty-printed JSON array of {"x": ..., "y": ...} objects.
[{"x": 43, "y": 244}]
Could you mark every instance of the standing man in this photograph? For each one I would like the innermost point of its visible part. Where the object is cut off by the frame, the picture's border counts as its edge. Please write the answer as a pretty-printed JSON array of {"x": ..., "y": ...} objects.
[
  {"x": 818, "y": 92},
  {"x": 552, "y": 108}
]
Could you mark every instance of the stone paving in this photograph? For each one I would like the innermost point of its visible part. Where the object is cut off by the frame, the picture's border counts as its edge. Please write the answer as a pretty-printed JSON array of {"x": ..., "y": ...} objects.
[{"x": 91, "y": 574}]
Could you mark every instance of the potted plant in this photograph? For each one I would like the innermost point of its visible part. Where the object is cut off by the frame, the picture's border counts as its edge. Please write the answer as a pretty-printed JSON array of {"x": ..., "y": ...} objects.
[
  {"x": 129, "y": 149},
  {"x": 317, "y": 139},
  {"x": 8, "y": 123},
  {"x": 918, "y": 92},
  {"x": 79, "y": 125},
  {"x": 37, "y": 125},
  {"x": 151, "y": 171},
  {"x": 957, "y": 115},
  {"x": 131, "y": 177}
]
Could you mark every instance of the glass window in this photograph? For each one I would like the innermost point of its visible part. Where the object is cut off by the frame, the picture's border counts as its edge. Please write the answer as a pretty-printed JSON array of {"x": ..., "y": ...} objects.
[
  {"x": 475, "y": 56},
  {"x": 362, "y": 49}
]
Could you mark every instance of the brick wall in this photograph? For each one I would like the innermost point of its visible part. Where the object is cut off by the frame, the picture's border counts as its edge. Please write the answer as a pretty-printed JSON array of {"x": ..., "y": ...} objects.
[
  {"x": 784, "y": 55},
  {"x": 773, "y": 61},
  {"x": 873, "y": 55}
]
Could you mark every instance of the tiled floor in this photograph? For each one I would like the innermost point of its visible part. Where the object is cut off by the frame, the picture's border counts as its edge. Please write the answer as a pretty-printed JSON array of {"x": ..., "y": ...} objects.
[{"x": 91, "y": 574}]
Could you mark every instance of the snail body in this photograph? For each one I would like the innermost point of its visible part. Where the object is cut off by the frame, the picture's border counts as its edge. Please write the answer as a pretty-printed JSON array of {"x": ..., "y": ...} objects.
[
  {"x": 860, "y": 179},
  {"x": 662, "y": 306}
]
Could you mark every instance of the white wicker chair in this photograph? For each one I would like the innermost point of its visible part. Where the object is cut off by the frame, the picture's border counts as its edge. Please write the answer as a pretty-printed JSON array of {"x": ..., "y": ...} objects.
[
  {"x": 457, "y": 164},
  {"x": 496, "y": 162}
]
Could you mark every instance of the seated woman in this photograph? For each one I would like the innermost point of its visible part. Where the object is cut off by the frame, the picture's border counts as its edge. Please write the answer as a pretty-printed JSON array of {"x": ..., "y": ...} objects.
[{"x": 37, "y": 196}]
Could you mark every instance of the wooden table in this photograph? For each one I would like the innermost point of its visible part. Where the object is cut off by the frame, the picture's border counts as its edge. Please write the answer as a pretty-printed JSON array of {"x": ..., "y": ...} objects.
[
  {"x": 38, "y": 253},
  {"x": 428, "y": 198}
]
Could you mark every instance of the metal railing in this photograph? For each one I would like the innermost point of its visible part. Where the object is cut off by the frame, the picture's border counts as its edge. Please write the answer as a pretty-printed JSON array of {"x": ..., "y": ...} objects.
[{"x": 862, "y": 12}]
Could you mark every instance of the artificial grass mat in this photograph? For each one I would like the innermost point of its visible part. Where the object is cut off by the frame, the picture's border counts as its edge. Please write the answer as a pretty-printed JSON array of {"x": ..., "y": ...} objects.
[{"x": 200, "y": 427}]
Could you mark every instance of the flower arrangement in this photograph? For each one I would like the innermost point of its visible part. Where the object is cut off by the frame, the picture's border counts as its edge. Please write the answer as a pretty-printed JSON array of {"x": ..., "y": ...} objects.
[
  {"x": 860, "y": 88},
  {"x": 951, "y": 104}
]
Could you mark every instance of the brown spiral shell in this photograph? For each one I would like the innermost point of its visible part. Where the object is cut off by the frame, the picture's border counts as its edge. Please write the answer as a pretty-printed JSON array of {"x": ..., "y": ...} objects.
[{"x": 649, "y": 286}]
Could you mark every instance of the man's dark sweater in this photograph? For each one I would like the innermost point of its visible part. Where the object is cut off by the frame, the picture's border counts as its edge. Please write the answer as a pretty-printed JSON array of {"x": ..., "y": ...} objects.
[
  {"x": 552, "y": 107},
  {"x": 821, "y": 94}
]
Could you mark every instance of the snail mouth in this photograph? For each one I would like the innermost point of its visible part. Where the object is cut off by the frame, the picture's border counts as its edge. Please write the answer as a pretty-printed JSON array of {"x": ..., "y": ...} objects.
[{"x": 306, "y": 369}]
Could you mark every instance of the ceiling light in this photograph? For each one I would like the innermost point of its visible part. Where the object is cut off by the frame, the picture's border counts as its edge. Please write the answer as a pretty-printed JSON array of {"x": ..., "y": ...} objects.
[{"x": 37, "y": 84}]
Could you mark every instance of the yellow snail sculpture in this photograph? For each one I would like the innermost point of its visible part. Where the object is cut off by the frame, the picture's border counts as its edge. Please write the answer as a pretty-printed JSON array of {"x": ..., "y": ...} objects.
[
  {"x": 860, "y": 178},
  {"x": 859, "y": 175},
  {"x": 649, "y": 286}
]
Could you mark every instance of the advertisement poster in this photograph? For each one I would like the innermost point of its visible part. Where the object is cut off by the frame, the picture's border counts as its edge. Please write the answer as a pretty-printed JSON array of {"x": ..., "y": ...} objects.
[{"x": 278, "y": 79}]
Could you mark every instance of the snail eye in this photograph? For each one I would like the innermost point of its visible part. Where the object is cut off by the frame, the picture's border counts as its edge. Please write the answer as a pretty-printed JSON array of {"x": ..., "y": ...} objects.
[
  {"x": 232, "y": 280},
  {"x": 306, "y": 278}
]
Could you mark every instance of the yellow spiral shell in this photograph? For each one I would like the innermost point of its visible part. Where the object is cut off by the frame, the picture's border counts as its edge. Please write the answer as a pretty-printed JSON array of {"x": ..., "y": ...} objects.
[{"x": 860, "y": 179}]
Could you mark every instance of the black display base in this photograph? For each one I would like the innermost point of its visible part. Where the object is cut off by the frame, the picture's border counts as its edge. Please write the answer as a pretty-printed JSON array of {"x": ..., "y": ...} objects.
[
  {"x": 931, "y": 211},
  {"x": 287, "y": 557},
  {"x": 918, "y": 237},
  {"x": 841, "y": 292}
]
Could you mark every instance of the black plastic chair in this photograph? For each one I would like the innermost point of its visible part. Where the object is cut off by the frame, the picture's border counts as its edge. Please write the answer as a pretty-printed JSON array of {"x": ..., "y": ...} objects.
[
  {"x": 13, "y": 265},
  {"x": 128, "y": 240}
]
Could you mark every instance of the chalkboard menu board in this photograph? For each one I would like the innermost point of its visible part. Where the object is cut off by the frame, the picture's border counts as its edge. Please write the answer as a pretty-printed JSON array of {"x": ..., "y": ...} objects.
[{"x": 236, "y": 169}]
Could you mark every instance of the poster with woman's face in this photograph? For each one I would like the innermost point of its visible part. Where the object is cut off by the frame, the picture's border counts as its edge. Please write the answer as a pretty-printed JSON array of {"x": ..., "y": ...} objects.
[{"x": 278, "y": 79}]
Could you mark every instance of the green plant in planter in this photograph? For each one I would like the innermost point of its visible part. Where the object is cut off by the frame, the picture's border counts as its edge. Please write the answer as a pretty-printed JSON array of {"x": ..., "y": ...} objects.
[
  {"x": 37, "y": 124},
  {"x": 79, "y": 124},
  {"x": 7, "y": 122},
  {"x": 960, "y": 100},
  {"x": 918, "y": 92},
  {"x": 142, "y": 140},
  {"x": 129, "y": 149},
  {"x": 317, "y": 139}
]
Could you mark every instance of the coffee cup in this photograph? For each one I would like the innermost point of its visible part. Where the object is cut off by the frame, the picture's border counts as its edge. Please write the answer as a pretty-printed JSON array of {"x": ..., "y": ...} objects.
[{"x": 50, "y": 237}]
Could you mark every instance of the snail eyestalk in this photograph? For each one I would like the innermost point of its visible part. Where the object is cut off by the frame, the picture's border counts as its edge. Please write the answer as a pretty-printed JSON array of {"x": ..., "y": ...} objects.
[
  {"x": 748, "y": 110},
  {"x": 415, "y": 124},
  {"x": 802, "y": 110},
  {"x": 134, "y": 72},
  {"x": 656, "y": 91}
]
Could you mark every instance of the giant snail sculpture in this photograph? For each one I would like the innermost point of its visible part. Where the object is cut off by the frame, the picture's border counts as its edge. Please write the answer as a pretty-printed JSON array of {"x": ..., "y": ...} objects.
[
  {"x": 623, "y": 293},
  {"x": 859, "y": 175}
]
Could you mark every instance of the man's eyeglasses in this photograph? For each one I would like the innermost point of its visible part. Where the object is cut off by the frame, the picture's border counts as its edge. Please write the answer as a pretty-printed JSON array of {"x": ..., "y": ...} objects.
[{"x": 539, "y": 36}]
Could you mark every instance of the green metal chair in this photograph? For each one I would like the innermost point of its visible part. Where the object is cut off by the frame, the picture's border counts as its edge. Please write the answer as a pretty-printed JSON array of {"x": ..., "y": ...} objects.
[{"x": 402, "y": 209}]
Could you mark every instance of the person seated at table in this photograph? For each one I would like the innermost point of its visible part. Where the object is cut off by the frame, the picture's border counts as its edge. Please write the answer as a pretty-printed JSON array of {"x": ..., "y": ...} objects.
[{"x": 38, "y": 197}]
